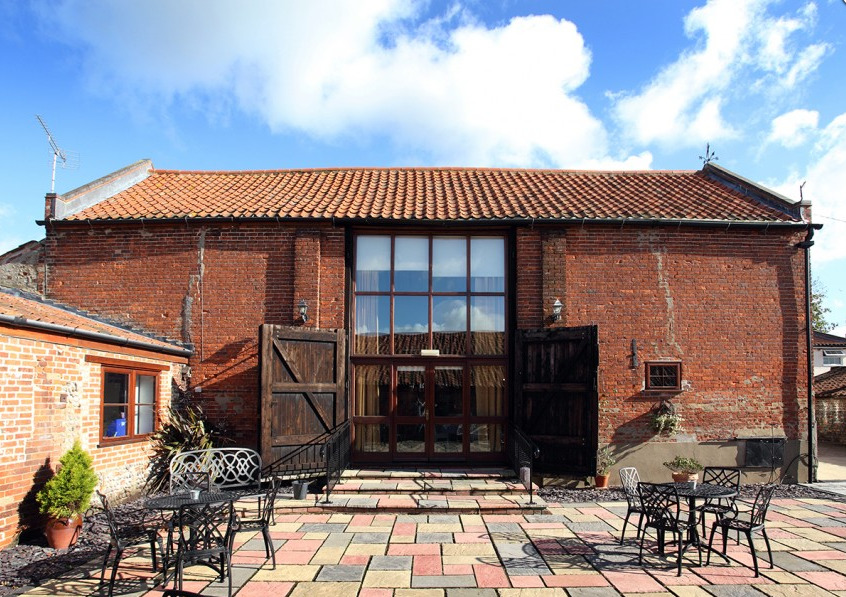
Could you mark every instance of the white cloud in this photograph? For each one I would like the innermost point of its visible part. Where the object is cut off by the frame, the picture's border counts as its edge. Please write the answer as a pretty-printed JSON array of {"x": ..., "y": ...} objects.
[
  {"x": 793, "y": 128},
  {"x": 825, "y": 181},
  {"x": 447, "y": 89},
  {"x": 736, "y": 42}
]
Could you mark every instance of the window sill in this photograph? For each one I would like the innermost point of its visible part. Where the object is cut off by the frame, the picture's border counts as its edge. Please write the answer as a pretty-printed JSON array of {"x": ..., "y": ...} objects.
[{"x": 108, "y": 443}]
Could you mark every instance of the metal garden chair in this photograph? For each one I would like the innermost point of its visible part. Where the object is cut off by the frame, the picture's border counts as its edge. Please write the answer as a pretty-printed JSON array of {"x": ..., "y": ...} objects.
[
  {"x": 259, "y": 518},
  {"x": 726, "y": 477},
  {"x": 204, "y": 537},
  {"x": 123, "y": 537},
  {"x": 752, "y": 521},
  {"x": 630, "y": 479},
  {"x": 663, "y": 513}
]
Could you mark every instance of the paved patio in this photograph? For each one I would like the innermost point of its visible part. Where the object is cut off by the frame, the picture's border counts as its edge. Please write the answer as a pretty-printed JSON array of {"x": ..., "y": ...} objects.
[{"x": 573, "y": 550}]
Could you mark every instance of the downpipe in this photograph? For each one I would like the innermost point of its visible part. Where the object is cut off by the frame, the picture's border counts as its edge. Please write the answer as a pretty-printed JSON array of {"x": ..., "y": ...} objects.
[{"x": 809, "y": 356}]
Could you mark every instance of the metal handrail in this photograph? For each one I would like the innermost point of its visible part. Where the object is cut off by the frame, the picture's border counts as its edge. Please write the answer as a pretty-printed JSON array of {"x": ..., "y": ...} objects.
[
  {"x": 336, "y": 451},
  {"x": 521, "y": 453}
]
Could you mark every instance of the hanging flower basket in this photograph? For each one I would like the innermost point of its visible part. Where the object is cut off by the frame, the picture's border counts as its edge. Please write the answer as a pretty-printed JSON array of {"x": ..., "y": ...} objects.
[{"x": 665, "y": 420}]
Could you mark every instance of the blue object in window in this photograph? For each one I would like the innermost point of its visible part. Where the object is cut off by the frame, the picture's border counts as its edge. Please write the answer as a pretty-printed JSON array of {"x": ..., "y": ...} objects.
[{"x": 117, "y": 428}]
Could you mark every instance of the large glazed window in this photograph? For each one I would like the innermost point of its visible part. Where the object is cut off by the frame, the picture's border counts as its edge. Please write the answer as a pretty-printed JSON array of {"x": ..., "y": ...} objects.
[{"x": 423, "y": 292}]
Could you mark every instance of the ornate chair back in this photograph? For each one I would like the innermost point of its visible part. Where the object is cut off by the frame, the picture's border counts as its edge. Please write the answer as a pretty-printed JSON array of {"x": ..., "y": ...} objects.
[
  {"x": 724, "y": 476},
  {"x": 660, "y": 503},
  {"x": 630, "y": 479},
  {"x": 758, "y": 514}
]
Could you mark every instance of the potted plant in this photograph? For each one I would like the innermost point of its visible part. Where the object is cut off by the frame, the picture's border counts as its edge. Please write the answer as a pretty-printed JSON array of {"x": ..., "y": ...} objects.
[
  {"x": 66, "y": 496},
  {"x": 665, "y": 420},
  {"x": 604, "y": 461},
  {"x": 684, "y": 469}
]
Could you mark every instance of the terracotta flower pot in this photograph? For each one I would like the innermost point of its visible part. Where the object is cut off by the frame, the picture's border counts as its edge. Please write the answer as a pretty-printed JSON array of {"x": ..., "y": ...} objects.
[
  {"x": 601, "y": 481},
  {"x": 685, "y": 477},
  {"x": 61, "y": 533}
]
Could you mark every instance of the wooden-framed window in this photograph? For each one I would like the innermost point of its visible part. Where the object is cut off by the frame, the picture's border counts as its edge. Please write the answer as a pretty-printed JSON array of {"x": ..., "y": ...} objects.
[
  {"x": 429, "y": 292},
  {"x": 663, "y": 375},
  {"x": 128, "y": 399}
]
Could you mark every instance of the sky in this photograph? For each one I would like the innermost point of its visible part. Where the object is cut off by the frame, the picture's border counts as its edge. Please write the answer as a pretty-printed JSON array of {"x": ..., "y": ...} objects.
[{"x": 573, "y": 84}]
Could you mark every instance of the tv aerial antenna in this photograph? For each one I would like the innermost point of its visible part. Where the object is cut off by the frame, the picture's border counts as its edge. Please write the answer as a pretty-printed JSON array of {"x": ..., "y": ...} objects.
[{"x": 65, "y": 159}]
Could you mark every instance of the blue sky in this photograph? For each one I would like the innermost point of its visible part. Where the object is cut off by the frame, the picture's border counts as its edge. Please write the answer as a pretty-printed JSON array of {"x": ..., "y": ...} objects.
[{"x": 213, "y": 85}]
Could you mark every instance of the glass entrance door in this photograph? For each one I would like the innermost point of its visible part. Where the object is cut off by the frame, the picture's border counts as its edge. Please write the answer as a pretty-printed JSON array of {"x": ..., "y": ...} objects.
[
  {"x": 428, "y": 412},
  {"x": 412, "y": 414},
  {"x": 448, "y": 423}
]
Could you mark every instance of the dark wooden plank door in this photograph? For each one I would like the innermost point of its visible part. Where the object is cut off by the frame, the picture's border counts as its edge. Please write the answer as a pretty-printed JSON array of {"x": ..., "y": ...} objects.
[
  {"x": 303, "y": 394},
  {"x": 555, "y": 396}
]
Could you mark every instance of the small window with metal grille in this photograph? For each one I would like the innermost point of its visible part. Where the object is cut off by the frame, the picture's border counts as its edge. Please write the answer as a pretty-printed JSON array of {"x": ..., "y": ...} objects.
[{"x": 663, "y": 375}]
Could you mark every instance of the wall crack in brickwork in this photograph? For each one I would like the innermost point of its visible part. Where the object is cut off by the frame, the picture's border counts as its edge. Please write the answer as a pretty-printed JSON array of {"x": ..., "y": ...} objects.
[{"x": 664, "y": 285}]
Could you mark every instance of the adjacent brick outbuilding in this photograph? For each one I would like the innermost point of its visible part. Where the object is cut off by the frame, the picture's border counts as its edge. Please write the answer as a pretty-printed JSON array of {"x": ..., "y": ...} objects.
[
  {"x": 680, "y": 274},
  {"x": 830, "y": 389},
  {"x": 51, "y": 375}
]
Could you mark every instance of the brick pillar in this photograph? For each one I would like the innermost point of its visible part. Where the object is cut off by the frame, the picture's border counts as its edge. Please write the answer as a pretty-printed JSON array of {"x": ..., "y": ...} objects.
[
  {"x": 307, "y": 275},
  {"x": 554, "y": 252},
  {"x": 529, "y": 279}
]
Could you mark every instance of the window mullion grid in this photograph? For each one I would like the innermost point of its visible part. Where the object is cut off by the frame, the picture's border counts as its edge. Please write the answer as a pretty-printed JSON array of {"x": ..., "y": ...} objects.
[
  {"x": 431, "y": 299},
  {"x": 391, "y": 344}
]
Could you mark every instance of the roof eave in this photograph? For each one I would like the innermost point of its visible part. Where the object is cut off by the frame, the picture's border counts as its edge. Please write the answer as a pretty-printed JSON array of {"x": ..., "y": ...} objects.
[{"x": 516, "y": 221}]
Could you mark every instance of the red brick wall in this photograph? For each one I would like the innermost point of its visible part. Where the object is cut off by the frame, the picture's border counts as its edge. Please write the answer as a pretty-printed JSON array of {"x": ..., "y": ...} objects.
[
  {"x": 50, "y": 396},
  {"x": 728, "y": 304},
  {"x": 212, "y": 285}
]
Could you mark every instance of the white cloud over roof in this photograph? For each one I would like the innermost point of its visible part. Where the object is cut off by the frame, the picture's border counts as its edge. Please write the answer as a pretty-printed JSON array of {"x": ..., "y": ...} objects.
[
  {"x": 738, "y": 49},
  {"x": 449, "y": 88},
  {"x": 793, "y": 128}
]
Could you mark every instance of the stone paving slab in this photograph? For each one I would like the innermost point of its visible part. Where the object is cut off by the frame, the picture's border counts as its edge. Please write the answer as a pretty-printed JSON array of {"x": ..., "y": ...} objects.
[{"x": 573, "y": 551}]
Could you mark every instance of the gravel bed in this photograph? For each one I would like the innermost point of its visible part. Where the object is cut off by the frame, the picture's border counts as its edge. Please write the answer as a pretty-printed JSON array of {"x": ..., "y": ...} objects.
[
  {"x": 31, "y": 563},
  {"x": 747, "y": 492}
]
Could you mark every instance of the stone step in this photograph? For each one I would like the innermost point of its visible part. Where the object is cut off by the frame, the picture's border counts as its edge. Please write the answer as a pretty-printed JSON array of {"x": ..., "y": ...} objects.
[
  {"x": 453, "y": 487},
  {"x": 414, "y": 503},
  {"x": 422, "y": 490},
  {"x": 455, "y": 482},
  {"x": 428, "y": 473}
]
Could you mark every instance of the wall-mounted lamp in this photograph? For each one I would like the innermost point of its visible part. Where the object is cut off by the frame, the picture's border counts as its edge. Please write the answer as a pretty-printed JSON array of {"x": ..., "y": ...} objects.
[
  {"x": 556, "y": 310},
  {"x": 635, "y": 361},
  {"x": 303, "y": 307}
]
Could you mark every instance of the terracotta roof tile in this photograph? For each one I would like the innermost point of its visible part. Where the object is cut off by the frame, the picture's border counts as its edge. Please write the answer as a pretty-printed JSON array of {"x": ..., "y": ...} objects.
[
  {"x": 23, "y": 306},
  {"x": 433, "y": 194},
  {"x": 831, "y": 383}
]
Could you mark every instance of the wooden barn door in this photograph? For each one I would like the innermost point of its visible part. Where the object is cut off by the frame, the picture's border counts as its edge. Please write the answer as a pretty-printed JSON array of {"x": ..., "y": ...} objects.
[
  {"x": 555, "y": 396},
  {"x": 302, "y": 394}
]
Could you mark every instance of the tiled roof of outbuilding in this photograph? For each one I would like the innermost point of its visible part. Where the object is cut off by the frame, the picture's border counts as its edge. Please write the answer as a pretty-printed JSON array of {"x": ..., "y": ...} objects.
[
  {"x": 821, "y": 340},
  {"x": 436, "y": 194},
  {"x": 831, "y": 383},
  {"x": 29, "y": 311}
]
